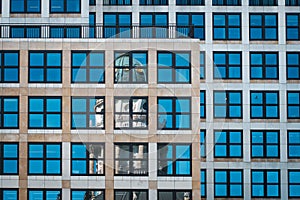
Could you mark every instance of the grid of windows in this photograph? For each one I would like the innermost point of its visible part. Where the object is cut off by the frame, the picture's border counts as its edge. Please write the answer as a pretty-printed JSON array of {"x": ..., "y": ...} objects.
[
  {"x": 264, "y": 65},
  {"x": 263, "y": 26},
  {"x": 25, "y": 6},
  {"x": 9, "y": 112},
  {"x": 9, "y": 71},
  {"x": 226, "y": 2},
  {"x": 262, "y": 2},
  {"x": 228, "y": 65},
  {"x": 202, "y": 104},
  {"x": 293, "y": 104},
  {"x": 174, "y": 194},
  {"x": 202, "y": 143},
  {"x": 265, "y": 183},
  {"x": 25, "y": 32},
  {"x": 228, "y": 104},
  {"x": 131, "y": 194},
  {"x": 154, "y": 25},
  {"x": 65, "y": 32},
  {"x": 190, "y": 25},
  {"x": 174, "y": 159},
  {"x": 45, "y": 194},
  {"x": 117, "y": 25},
  {"x": 293, "y": 144},
  {"x": 65, "y": 6},
  {"x": 9, "y": 159},
  {"x": 44, "y": 159},
  {"x": 265, "y": 144},
  {"x": 203, "y": 183},
  {"x": 228, "y": 144},
  {"x": 292, "y": 26},
  {"x": 87, "y": 194},
  {"x": 293, "y": 66},
  {"x": 264, "y": 105},
  {"x": 294, "y": 183},
  {"x": 9, "y": 194},
  {"x": 227, "y": 26}
]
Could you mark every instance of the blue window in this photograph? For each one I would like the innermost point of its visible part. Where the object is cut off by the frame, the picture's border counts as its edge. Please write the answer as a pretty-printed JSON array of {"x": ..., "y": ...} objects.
[
  {"x": 9, "y": 159},
  {"x": 262, "y": 3},
  {"x": 293, "y": 65},
  {"x": 117, "y": 2},
  {"x": 293, "y": 144},
  {"x": 292, "y": 2},
  {"x": 227, "y": 26},
  {"x": 265, "y": 183},
  {"x": 264, "y": 105},
  {"x": 25, "y": 32},
  {"x": 9, "y": 112},
  {"x": 87, "y": 159},
  {"x": 131, "y": 194},
  {"x": 190, "y": 25},
  {"x": 203, "y": 183},
  {"x": 131, "y": 67},
  {"x": 264, "y": 65},
  {"x": 87, "y": 67},
  {"x": 226, "y": 2},
  {"x": 228, "y": 65},
  {"x": 174, "y": 67},
  {"x": 202, "y": 65},
  {"x": 92, "y": 2},
  {"x": 294, "y": 183},
  {"x": 174, "y": 159},
  {"x": 265, "y": 144},
  {"x": 293, "y": 104},
  {"x": 44, "y": 112},
  {"x": 228, "y": 144},
  {"x": 87, "y": 194},
  {"x": 228, "y": 183},
  {"x": 117, "y": 25},
  {"x": 292, "y": 26},
  {"x": 45, "y": 194},
  {"x": 154, "y": 2},
  {"x": 45, "y": 67},
  {"x": 9, "y": 70},
  {"x": 9, "y": 194},
  {"x": 228, "y": 104},
  {"x": 65, "y": 6},
  {"x": 92, "y": 23},
  {"x": 174, "y": 113},
  {"x": 131, "y": 159},
  {"x": 65, "y": 32},
  {"x": 202, "y": 104},
  {"x": 203, "y": 143},
  {"x": 154, "y": 25},
  {"x": 25, "y": 6},
  {"x": 189, "y": 2},
  {"x": 87, "y": 112},
  {"x": 263, "y": 26},
  {"x": 44, "y": 159},
  {"x": 174, "y": 194}
]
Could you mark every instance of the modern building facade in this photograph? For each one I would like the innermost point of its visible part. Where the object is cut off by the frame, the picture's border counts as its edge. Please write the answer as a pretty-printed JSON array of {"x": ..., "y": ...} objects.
[{"x": 149, "y": 99}]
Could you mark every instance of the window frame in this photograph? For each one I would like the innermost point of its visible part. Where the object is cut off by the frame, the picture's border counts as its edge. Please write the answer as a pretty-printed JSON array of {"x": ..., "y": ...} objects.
[
  {"x": 202, "y": 143},
  {"x": 265, "y": 144},
  {"x": 189, "y": 3},
  {"x": 227, "y": 65},
  {"x": 191, "y": 33},
  {"x": 25, "y": 31},
  {"x": 203, "y": 183},
  {"x": 92, "y": 2},
  {"x": 263, "y": 27},
  {"x": 44, "y": 191},
  {"x": 264, "y": 104},
  {"x": 64, "y": 32},
  {"x": 153, "y": 3},
  {"x": 2, "y": 158},
  {"x": 203, "y": 104},
  {"x": 292, "y": 65},
  {"x": 3, "y": 112},
  {"x": 25, "y": 8},
  {"x": 292, "y": 144},
  {"x": 87, "y": 190},
  {"x": 174, "y": 192},
  {"x": 65, "y": 2},
  {"x": 226, "y": 3},
  {"x": 117, "y": 3},
  {"x": 226, "y": 27},
  {"x": 264, "y": 65},
  {"x": 117, "y": 25},
  {"x": 202, "y": 65},
  {"x": 290, "y": 26},
  {"x": 9, "y": 189},
  {"x": 155, "y": 26},
  {"x": 263, "y": 3},
  {"x": 289, "y": 3},
  {"x": 3, "y": 67},
  {"x": 130, "y": 191},
  {"x": 293, "y": 184},
  {"x": 228, "y": 144},
  {"x": 292, "y": 104}
]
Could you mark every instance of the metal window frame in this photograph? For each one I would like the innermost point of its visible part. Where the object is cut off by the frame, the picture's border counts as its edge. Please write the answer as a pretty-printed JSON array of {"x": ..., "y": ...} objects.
[
  {"x": 225, "y": 3},
  {"x": 154, "y": 25},
  {"x": 44, "y": 191},
  {"x": 227, "y": 26},
  {"x": 264, "y": 104},
  {"x": 87, "y": 190},
  {"x": 116, "y": 26},
  {"x": 264, "y": 65},
  {"x": 2, "y": 66},
  {"x": 2, "y": 112},
  {"x": 64, "y": 8},
  {"x": 294, "y": 105},
  {"x": 293, "y": 66},
  {"x": 228, "y": 144},
  {"x": 263, "y": 27},
  {"x": 228, "y": 65},
  {"x": 190, "y": 25},
  {"x": 2, "y": 158},
  {"x": 292, "y": 184},
  {"x": 203, "y": 104},
  {"x": 25, "y": 8},
  {"x": 292, "y": 143}
]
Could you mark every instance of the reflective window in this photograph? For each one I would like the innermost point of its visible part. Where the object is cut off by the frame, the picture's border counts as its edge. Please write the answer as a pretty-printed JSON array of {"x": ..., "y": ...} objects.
[
  {"x": 65, "y": 32},
  {"x": 203, "y": 183},
  {"x": 153, "y": 2},
  {"x": 189, "y": 2},
  {"x": 9, "y": 194},
  {"x": 117, "y": 2},
  {"x": 263, "y": 26},
  {"x": 202, "y": 143},
  {"x": 88, "y": 112},
  {"x": 292, "y": 2},
  {"x": 9, "y": 69},
  {"x": 293, "y": 26},
  {"x": 262, "y": 3},
  {"x": 92, "y": 2},
  {"x": 9, "y": 112},
  {"x": 202, "y": 65},
  {"x": 174, "y": 159},
  {"x": 131, "y": 194},
  {"x": 87, "y": 159},
  {"x": 227, "y": 26},
  {"x": 293, "y": 144},
  {"x": 25, "y": 6},
  {"x": 65, "y": 6},
  {"x": 228, "y": 183},
  {"x": 131, "y": 159},
  {"x": 25, "y": 32},
  {"x": 92, "y": 24},
  {"x": 264, "y": 104},
  {"x": 265, "y": 144},
  {"x": 227, "y": 65},
  {"x": 117, "y": 25},
  {"x": 228, "y": 104},
  {"x": 44, "y": 112},
  {"x": 131, "y": 112},
  {"x": 45, "y": 194},
  {"x": 226, "y": 2},
  {"x": 9, "y": 159},
  {"x": 174, "y": 67},
  {"x": 44, "y": 159},
  {"x": 174, "y": 113},
  {"x": 87, "y": 67},
  {"x": 265, "y": 183},
  {"x": 154, "y": 25},
  {"x": 293, "y": 65},
  {"x": 294, "y": 183},
  {"x": 174, "y": 194},
  {"x": 202, "y": 104},
  {"x": 264, "y": 65},
  {"x": 190, "y": 25},
  {"x": 293, "y": 104},
  {"x": 45, "y": 67},
  {"x": 131, "y": 67},
  {"x": 228, "y": 144},
  {"x": 87, "y": 194}
]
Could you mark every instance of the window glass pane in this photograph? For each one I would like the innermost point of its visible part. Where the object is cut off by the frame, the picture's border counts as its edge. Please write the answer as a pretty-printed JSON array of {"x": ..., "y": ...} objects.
[
  {"x": 182, "y": 151},
  {"x": 294, "y": 177},
  {"x": 234, "y": 20},
  {"x": 57, "y": 5},
  {"x": 10, "y": 105},
  {"x": 10, "y": 150},
  {"x": 220, "y": 176},
  {"x": 54, "y": 59},
  {"x": 165, "y": 59},
  {"x": 165, "y": 105},
  {"x": 10, "y": 166},
  {"x": 17, "y": 5},
  {"x": 183, "y": 167},
  {"x": 78, "y": 167},
  {"x": 53, "y": 195},
  {"x": 10, "y": 194},
  {"x": 36, "y": 151},
  {"x": 257, "y": 177},
  {"x": 35, "y": 166},
  {"x": 35, "y": 195},
  {"x": 33, "y": 5},
  {"x": 73, "y": 6},
  {"x": 96, "y": 59},
  {"x": 78, "y": 151},
  {"x": 182, "y": 105},
  {"x": 78, "y": 59},
  {"x": 182, "y": 59},
  {"x": 53, "y": 151},
  {"x": 11, "y": 59},
  {"x": 255, "y": 20},
  {"x": 36, "y": 59},
  {"x": 270, "y": 20},
  {"x": 219, "y": 20},
  {"x": 53, "y": 105}
]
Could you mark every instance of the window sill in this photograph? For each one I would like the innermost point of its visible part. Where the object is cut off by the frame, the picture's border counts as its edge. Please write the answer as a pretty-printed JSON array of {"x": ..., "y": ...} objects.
[
  {"x": 43, "y": 131},
  {"x": 88, "y": 131},
  {"x": 9, "y": 131}
]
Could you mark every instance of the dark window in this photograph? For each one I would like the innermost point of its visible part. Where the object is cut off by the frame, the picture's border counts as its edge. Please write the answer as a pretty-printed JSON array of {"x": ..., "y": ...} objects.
[
  {"x": 265, "y": 144},
  {"x": 92, "y": 2},
  {"x": 174, "y": 67},
  {"x": 263, "y": 26},
  {"x": 265, "y": 183},
  {"x": 131, "y": 194},
  {"x": 44, "y": 112},
  {"x": 264, "y": 104},
  {"x": 154, "y": 2},
  {"x": 9, "y": 71},
  {"x": 87, "y": 67},
  {"x": 228, "y": 183},
  {"x": 292, "y": 26},
  {"x": 189, "y": 2},
  {"x": 202, "y": 65},
  {"x": 174, "y": 194},
  {"x": 264, "y": 65},
  {"x": 131, "y": 159},
  {"x": 228, "y": 104},
  {"x": 190, "y": 25},
  {"x": 203, "y": 183},
  {"x": 87, "y": 194},
  {"x": 45, "y": 194},
  {"x": 227, "y": 65},
  {"x": 88, "y": 112},
  {"x": 9, "y": 159},
  {"x": 44, "y": 159},
  {"x": 25, "y": 32},
  {"x": 292, "y": 2},
  {"x": 227, "y": 26},
  {"x": 65, "y": 6},
  {"x": 154, "y": 25},
  {"x": 293, "y": 144},
  {"x": 202, "y": 104},
  {"x": 228, "y": 144},
  {"x": 117, "y": 2},
  {"x": 117, "y": 25},
  {"x": 87, "y": 159},
  {"x": 174, "y": 113},
  {"x": 9, "y": 194},
  {"x": 131, "y": 112},
  {"x": 203, "y": 143},
  {"x": 45, "y": 67},
  {"x": 293, "y": 104},
  {"x": 131, "y": 67},
  {"x": 226, "y": 2},
  {"x": 92, "y": 24},
  {"x": 294, "y": 183},
  {"x": 174, "y": 160},
  {"x": 9, "y": 112},
  {"x": 293, "y": 65},
  {"x": 25, "y": 6},
  {"x": 262, "y": 2},
  {"x": 65, "y": 32}
]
